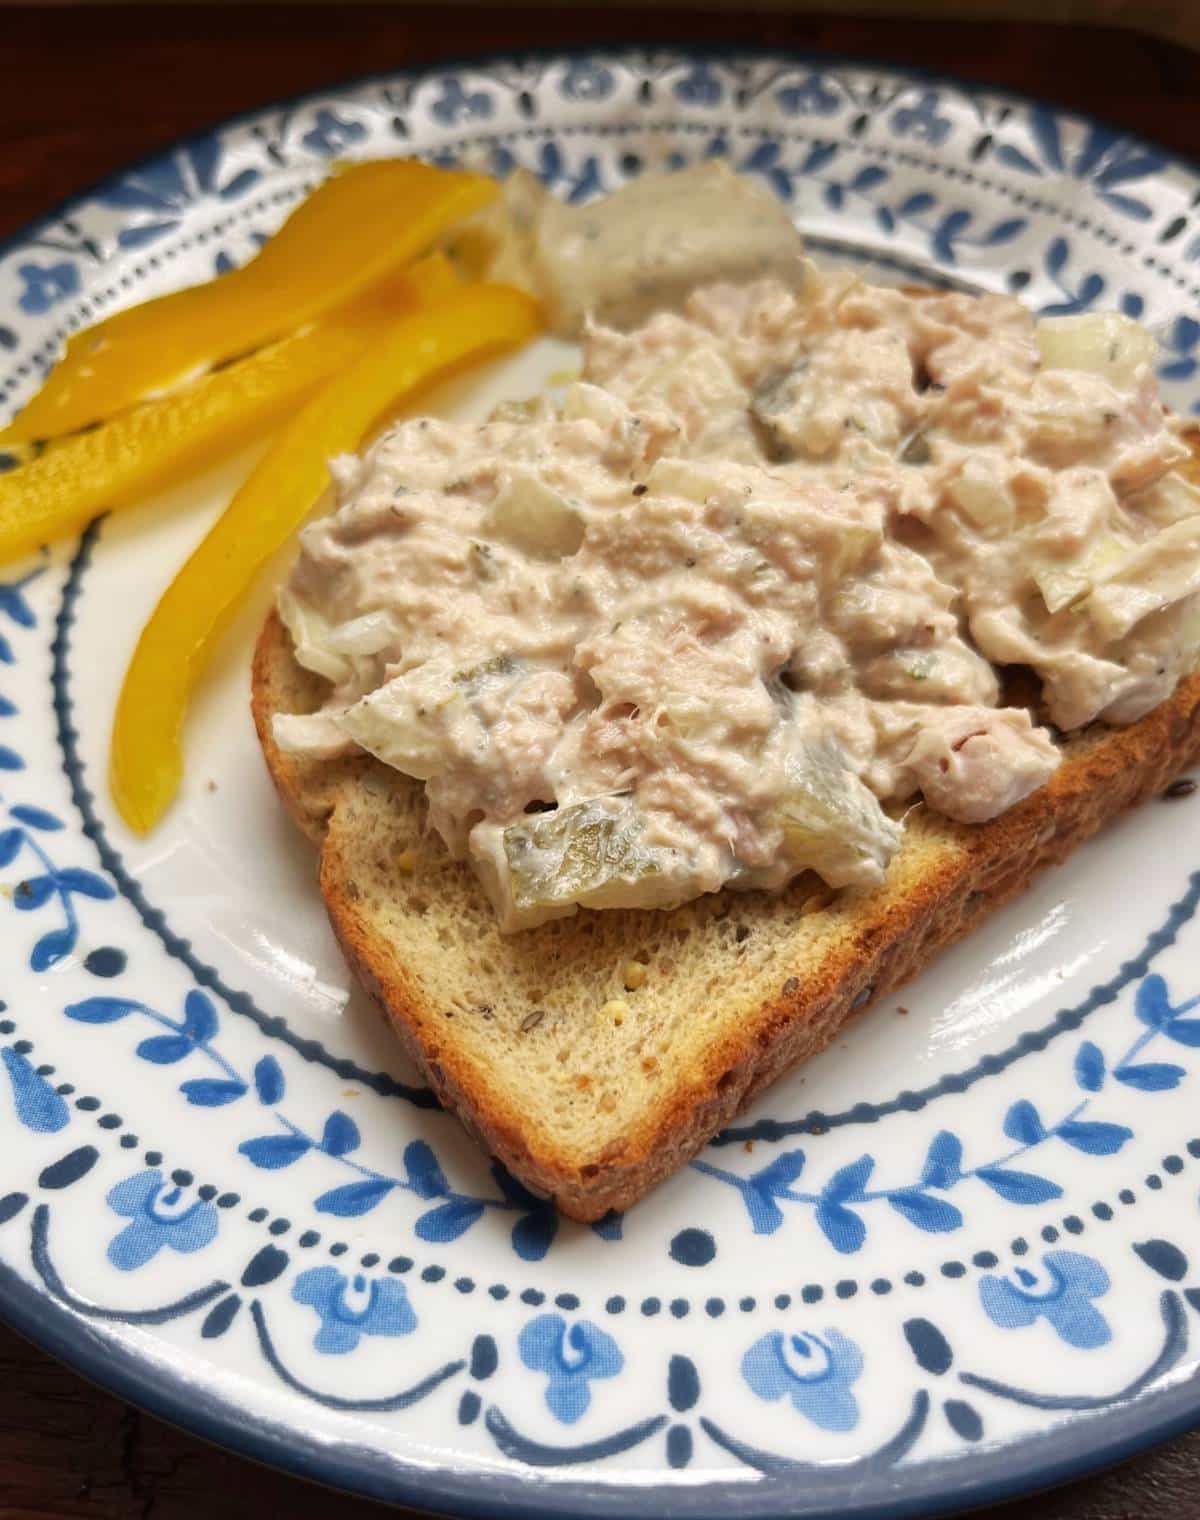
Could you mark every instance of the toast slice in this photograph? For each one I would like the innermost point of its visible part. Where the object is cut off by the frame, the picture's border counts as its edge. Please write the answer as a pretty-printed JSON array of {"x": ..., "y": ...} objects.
[{"x": 597, "y": 1054}]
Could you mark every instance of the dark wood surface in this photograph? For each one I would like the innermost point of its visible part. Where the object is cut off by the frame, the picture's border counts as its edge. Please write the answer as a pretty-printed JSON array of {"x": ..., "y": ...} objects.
[{"x": 85, "y": 90}]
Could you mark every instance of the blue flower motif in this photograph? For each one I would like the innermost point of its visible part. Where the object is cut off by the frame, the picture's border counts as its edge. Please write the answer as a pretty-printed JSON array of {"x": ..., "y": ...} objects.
[
  {"x": 156, "y": 196},
  {"x": 455, "y": 104},
  {"x": 812, "y": 96},
  {"x": 1066, "y": 1302},
  {"x": 586, "y": 81},
  {"x": 350, "y": 1308},
  {"x": 1104, "y": 159},
  {"x": 45, "y": 287},
  {"x": 331, "y": 134},
  {"x": 699, "y": 87},
  {"x": 160, "y": 1214},
  {"x": 814, "y": 1371},
  {"x": 570, "y": 1358},
  {"x": 922, "y": 120}
]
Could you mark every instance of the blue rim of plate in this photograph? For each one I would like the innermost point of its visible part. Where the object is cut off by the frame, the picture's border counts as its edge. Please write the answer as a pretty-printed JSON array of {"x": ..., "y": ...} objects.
[{"x": 801, "y": 1492}]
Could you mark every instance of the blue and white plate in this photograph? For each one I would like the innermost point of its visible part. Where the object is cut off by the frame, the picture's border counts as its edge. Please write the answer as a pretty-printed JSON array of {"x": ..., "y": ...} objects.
[{"x": 956, "y": 1257}]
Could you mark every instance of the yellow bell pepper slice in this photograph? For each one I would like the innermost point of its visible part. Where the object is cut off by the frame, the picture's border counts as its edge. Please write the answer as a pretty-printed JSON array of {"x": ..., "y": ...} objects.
[
  {"x": 361, "y": 225},
  {"x": 154, "y": 445},
  {"x": 145, "y": 761}
]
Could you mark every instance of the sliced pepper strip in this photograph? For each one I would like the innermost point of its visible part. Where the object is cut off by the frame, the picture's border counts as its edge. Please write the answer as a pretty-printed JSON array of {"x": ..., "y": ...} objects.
[
  {"x": 133, "y": 455},
  {"x": 361, "y": 225},
  {"x": 145, "y": 761}
]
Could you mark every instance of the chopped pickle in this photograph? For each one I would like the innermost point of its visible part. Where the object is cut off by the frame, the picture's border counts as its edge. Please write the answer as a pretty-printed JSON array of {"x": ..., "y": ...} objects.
[
  {"x": 534, "y": 518},
  {"x": 586, "y": 854},
  {"x": 832, "y": 824}
]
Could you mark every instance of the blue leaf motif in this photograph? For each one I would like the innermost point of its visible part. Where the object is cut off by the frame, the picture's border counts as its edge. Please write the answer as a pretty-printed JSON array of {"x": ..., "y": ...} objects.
[
  {"x": 533, "y": 1234},
  {"x": 52, "y": 947},
  {"x": 1089, "y": 1067},
  {"x": 99, "y": 1010},
  {"x": 1151, "y": 1004},
  {"x": 11, "y": 841},
  {"x": 199, "y": 1017},
  {"x": 1056, "y": 256},
  {"x": 1185, "y": 335},
  {"x": 7, "y": 709},
  {"x": 1044, "y": 126},
  {"x": 833, "y": 195},
  {"x": 780, "y": 1174},
  {"x": 85, "y": 883},
  {"x": 421, "y": 1168},
  {"x": 1151, "y": 1076},
  {"x": 1004, "y": 232},
  {"x": 1093, "y": 1137},
  {"x": 819, "y": 156},
  {"x": 1184, "y": 1032},
  {"x": 764, "y": 157},
  {"x": 354, "y": 1198},
  {"x": 610, "y": 1227},
  {"x": 1132, "y": 304},
  {"x": 32, "y": 893},
  {"x": 14, "y": 603},
  {"x": 868, "y": 178},
  {"x": 1097, "y": 143},
  {"x": 212, "y": 1092},
  {"x": 340, "y": 1135},
  {"x": 1022, "y": 1122},
  {"x": 1091, "y": 290},
  {"x": 36, "y": 818},
  {"x": 1135, "y": 165},
  {"x": 952, "y": 225},
  {"x": 239, "y": 184},
  {"x": 38, "y": 1106},
  {"x": 918, "y": 204},
  {"x": 1127, "y": 205},
  {"x": 165, "y": 1049},
  {"x": 843, "y": 1229},
  {"x": 943, "y": 1163},
  {"x": 10, "y": 760},
  {"x": 1178, "y": 369},
  {"x": 129, "y": 195},
  {"x": 765, "y": 1214},
  {"x": 550, "y": 163},
  {"x": 936, "y": 1215},
  {"x": 268, "y": 1080},
  {"x": 1018, "y": 1187},
  {"x": 449, "y": 1220},
  {"x": 271, "y": 1152},
  {"x": 203, "y": 157},
  {"x": 886, "y": 218},
  {"x": 1013, "y": 158},
  {"x": 849, "y": 1181},
  {"x": 147, "y": 232}
]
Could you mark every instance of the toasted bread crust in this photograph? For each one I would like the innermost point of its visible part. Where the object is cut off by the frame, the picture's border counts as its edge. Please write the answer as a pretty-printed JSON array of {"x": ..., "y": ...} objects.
[{"x": 895, "y": 934}]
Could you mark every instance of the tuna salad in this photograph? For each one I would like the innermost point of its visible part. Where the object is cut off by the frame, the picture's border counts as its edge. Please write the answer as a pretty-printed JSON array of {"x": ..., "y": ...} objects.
[{"x": 715, "y": 616}]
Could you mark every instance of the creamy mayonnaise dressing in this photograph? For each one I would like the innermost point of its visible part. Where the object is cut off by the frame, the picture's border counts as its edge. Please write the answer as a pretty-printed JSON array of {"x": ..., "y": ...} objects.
[{"x": 751, "y": 577}]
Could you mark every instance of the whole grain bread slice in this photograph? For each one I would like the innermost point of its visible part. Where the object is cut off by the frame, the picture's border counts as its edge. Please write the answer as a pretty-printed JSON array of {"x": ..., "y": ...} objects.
[{"x": 597, "y": 1054}]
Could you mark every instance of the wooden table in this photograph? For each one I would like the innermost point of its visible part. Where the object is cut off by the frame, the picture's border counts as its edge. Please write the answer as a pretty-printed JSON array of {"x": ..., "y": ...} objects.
[{"x": 83, "y": 91}]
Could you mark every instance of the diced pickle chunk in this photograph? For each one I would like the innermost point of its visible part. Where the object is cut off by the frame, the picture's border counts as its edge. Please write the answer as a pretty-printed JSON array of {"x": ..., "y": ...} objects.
[
  {"x": 832, "y": 824},
  {"x": 587, "y": 854}
]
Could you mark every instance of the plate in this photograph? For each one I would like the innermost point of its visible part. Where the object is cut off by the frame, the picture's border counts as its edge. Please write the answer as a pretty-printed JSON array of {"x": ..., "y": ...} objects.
[{"x": 956, "y": 1257}]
